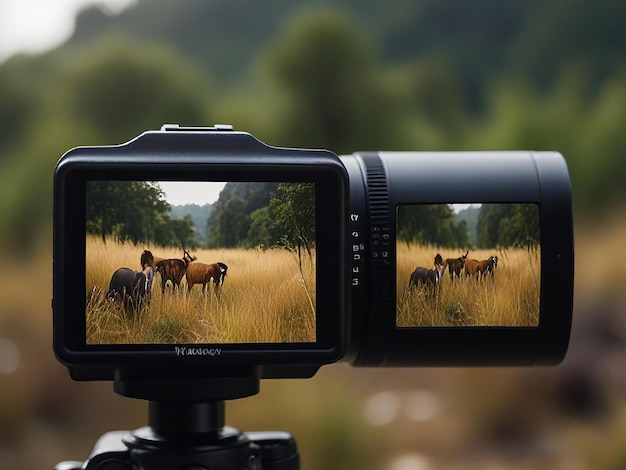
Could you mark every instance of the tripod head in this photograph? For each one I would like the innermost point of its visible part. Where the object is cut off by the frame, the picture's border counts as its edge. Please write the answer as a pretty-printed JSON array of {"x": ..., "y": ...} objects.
[{"x": 186, "y": 429}]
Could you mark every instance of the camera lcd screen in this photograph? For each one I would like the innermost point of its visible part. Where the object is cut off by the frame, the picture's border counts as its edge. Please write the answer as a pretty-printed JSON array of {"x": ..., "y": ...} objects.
[
  {"x": 179, "y": 262},
  {"x": 468, "y": 265}
]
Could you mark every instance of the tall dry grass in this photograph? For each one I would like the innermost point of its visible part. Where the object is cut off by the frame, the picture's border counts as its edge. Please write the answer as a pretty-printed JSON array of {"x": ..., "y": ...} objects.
[
  {"x": 264, "y": 299},
  {"x": 509, "y": 298}
]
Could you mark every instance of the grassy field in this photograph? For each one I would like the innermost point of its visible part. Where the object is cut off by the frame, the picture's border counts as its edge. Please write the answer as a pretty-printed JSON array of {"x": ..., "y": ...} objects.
[
  {"x": 263, "y": 300},
  {"x": 509, "y": 298}
]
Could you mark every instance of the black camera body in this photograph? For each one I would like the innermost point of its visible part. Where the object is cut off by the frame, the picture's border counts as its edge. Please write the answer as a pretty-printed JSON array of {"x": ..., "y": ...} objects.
[
  {"x": 367, "y": 261},
  {"x": 378, "y": 292}
]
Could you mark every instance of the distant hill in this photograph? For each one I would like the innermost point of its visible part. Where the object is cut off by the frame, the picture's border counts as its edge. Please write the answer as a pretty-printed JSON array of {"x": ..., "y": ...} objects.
[
  {"x": 222, "y": 37},
  {"x": 200, "y": 216},
  {"x": 483, "y": 39},
  {"x": 470, "y": 215}
]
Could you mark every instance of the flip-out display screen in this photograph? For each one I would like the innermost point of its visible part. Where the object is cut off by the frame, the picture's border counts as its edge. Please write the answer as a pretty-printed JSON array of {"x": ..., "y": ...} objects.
[
  {"x": 468, "y": 265},
  {"x": 200, "y": 262}
]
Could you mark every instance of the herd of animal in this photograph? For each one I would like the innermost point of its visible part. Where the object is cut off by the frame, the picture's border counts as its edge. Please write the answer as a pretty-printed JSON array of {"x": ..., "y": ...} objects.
[
  {"x": 133, "y": 288},
  {"x": 455, "y": 266}
]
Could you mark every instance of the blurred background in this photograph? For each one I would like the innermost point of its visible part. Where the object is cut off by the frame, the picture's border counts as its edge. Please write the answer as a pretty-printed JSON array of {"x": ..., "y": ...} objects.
[{"x": 349, "y": 75}]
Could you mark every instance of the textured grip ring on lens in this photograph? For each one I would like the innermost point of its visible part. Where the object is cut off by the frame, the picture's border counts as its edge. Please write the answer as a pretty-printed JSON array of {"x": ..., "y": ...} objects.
[{"x": 381, "y": 259}]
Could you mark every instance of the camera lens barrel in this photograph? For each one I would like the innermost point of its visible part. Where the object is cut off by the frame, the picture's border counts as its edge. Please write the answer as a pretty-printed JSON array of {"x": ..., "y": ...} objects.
[{"x": 383, "y": 183}]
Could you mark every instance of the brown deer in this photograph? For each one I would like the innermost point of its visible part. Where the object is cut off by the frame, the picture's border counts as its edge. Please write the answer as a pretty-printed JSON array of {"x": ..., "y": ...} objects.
[
  {"x": 173, "y": 270},
  {"x": 148, "y": 259},
  {"x": 455, "y": 265},
  {"x": 481, "y": 268},
  {"x": 201, "y": 273}
]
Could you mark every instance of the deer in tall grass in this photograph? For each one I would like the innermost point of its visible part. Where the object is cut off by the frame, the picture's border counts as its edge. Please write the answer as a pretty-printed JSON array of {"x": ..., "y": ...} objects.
[
  {"x": 173, "y": 270},
  {"x": 201, "y": 273},
  {"x": 430, "y": 278},
  {"x": 474, "y": 267},
  {"x": 455, "y": 265},
  {"x": 148, "y": 259},
  {"x": 131, "y": 288}
]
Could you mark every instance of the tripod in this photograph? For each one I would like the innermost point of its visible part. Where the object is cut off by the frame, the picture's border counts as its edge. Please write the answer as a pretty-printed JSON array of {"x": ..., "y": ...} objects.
[{"x": 186, "y": 431}]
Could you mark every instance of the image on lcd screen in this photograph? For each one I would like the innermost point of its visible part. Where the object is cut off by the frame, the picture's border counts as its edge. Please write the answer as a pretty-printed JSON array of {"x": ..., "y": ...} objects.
[
  {"x": 468, "y": 265},
  {"x": 200, "y": 262}
]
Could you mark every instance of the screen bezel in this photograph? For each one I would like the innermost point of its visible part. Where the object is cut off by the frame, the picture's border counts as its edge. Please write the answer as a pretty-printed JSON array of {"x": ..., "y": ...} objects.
[
  {"x": 515, "y": 344},
  {"x": 70, "y": 257}
]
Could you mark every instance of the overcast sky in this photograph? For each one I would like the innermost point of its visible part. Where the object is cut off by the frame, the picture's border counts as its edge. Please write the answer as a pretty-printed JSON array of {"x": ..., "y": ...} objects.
[
  {"x": 34, "y": 26},
  {"x": 178, "y": 193},
  {"x": 459, "y": 207}
]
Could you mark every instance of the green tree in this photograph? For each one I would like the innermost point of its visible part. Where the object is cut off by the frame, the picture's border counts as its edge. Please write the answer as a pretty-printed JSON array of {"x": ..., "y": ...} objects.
[
  {"x": 129, "y": 210},
  {"x": 22, "y": 99},
  {"x": 522, "y": 228},
  {"x": 229, "y": 225},
  {"x": 434, "y": 90},
  {"x": 263, "y": 229},
  {"x": 507, "y": 225},
  {"x": 323, "y": 72},
  {"x": 431, "y": 224},
  {"x": 293, "y": 209},
  {"x": 105, "y": 95},
  {"x": 164, "y": 233},
  {"x": 489, "y": 222},
  {"x": 122, "y": 89},
  {"x": 184, "y": 231}
]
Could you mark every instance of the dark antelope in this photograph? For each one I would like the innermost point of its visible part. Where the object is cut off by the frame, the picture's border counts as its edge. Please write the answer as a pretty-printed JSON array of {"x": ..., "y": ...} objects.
[
  {"x": 428, "y": 277},
  {"x": 131, "y": 288}
]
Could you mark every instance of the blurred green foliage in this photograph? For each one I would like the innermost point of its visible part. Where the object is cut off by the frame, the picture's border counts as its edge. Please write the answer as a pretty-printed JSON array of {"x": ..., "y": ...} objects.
[
  {"x": 350, "y": 75},
  {"x": 322, "y": 79}
]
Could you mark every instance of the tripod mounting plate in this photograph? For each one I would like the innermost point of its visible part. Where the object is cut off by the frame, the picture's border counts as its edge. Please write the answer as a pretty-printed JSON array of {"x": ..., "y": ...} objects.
[{"x": 194, "y": 389}]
